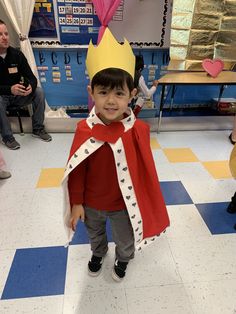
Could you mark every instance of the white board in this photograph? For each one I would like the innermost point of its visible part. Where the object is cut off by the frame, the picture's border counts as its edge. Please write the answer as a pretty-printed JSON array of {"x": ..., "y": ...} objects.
[{"x": 145, "y": 22}]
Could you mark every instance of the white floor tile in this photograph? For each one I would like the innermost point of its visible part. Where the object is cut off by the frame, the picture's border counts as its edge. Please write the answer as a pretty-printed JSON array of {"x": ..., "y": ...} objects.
[
  {"x": 210, "y": 151},
  {"x": 159, "y": 157},
  {"x": 166, "y": 299},
  {"x": 218, "y": 297},
  {"x": 191, "y": 171},
  {"x": 185, "y": 222},
  {"x": 40, "y": 224},
  {"x": 58, "y": 151},
  {"x": 27, "y": 232},
  {"x": 210, "y": 191},
  {"x": 40, "y": 305},
  {"x": 181, "y": 139},
  {"x": 206, "y": 141},
  {"x": 15, "y": 203},
  {"x": 6, "y": 258},
  {"x": 166, "y": 172},
  {"x": 153, "y": 266},
  {"x": 108, "y": 301},
  {"x": 205, "y": 258}
]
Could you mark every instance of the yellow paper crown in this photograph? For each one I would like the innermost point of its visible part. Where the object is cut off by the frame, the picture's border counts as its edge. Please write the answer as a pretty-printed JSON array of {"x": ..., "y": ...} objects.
[{"x": 109, "y": 54}]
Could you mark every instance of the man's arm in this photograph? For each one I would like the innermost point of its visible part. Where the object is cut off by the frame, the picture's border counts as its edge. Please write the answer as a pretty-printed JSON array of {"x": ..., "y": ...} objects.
[
  {"x": 5, "y": 90},
  {"x": 26, "y": 72}
]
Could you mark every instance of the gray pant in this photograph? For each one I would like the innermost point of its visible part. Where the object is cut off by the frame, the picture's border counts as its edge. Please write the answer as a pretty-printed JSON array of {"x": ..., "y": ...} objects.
[
  {"x": 38, "y": 105},
  {"x": 122, "y": 232}
]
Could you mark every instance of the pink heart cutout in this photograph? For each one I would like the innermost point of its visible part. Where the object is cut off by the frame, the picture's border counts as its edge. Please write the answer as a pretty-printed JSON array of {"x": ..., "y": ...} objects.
[{"x": 213, "y": 67}]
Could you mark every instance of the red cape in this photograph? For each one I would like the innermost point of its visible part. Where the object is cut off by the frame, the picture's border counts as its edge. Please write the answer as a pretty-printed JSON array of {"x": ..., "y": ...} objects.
[{"x": 143, "y": 174}]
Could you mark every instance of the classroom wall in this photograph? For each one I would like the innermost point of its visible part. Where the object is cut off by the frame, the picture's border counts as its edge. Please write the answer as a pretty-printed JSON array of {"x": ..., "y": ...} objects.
[
  {"x": 145, "y": 23},
  {"x": 63, "y": 77}
]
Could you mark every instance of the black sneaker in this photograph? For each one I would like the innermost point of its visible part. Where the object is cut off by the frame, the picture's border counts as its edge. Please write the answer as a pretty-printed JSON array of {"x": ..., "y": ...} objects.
[
  {"x": 118, "y": 271},
  {"x": 95, "y": 265},
  {"x": 11, "y": 143},
  {"x": 43, "y": 135}
]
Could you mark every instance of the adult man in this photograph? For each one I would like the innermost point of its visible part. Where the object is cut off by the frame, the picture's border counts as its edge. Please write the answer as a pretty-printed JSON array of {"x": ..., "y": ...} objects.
[{"x": 18, "y": 87}]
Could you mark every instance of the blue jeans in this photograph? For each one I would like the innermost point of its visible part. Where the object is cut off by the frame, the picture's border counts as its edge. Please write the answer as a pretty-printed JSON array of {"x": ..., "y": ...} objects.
[{"x": 38, "y": 105}]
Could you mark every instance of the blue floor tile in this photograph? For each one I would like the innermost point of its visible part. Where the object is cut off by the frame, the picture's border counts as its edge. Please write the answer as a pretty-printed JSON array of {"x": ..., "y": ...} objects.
[
  {"x": 175, "y": 193},
  {"x": 81, "y": 236},
  {"x": 217, "y": 219},
  {"x": 36, "y": 272}
]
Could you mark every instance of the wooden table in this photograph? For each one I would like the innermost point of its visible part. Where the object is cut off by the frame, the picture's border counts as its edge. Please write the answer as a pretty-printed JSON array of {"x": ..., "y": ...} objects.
[{"x": 190, "y": 78}]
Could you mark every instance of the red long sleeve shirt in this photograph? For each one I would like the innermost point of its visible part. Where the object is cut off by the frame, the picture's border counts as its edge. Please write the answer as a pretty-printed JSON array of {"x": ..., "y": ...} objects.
[{"x": 94, "y": 182}]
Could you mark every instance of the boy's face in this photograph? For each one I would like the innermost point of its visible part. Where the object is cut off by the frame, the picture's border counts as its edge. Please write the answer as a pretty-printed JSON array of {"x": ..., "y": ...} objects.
[{"x": 111, "y": 104}]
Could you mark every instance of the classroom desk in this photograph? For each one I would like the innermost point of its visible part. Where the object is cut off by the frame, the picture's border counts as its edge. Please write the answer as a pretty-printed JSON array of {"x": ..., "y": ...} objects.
[{"x": 189, "y": 78}]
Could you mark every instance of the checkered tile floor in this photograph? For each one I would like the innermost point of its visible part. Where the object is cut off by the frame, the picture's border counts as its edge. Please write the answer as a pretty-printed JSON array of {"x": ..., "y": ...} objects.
[{"x": 191, "y": 269}]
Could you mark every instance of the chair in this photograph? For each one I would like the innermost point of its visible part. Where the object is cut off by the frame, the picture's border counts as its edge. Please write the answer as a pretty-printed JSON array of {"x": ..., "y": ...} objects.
[{"x": 25, "y": 111}]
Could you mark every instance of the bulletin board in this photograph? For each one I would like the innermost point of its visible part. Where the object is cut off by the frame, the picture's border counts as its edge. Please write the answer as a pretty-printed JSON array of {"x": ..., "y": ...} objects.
[
  {"x": 142, "y": 22},
  {"x": 78, "y": 22}
]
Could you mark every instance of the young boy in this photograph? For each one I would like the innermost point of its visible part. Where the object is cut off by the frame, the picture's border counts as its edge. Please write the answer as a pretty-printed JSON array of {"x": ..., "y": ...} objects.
[{"x": 111, "y": 173}]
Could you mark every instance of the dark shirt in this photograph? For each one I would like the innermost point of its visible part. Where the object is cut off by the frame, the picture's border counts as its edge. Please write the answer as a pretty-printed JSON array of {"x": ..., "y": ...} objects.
[{"x": 12, "y": 68}]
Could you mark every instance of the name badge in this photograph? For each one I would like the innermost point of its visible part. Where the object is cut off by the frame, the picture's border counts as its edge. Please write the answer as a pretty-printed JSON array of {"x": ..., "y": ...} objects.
[{"x": 12, "y": 70}]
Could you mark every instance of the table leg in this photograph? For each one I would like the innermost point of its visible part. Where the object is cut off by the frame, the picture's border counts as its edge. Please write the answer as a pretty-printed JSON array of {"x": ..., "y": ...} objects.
[
  {"x": 172, "y": 96},
  {"x": 161, "y": 107},
  {"x": 221, "y": 93}
]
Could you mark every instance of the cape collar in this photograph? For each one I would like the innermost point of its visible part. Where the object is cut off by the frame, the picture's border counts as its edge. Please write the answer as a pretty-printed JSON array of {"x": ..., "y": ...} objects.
[
  {"x": 127, "y": 122},
  {"x": 112, "y": 132}
]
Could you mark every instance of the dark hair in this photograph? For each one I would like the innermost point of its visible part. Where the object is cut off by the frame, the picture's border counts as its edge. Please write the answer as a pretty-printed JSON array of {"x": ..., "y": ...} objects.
[
  {"x": 139, "y": 66},
  {"x": 2, "y": 22},
  {"x": 111, "y": 78},
  {"x": 139, "y": 63}
]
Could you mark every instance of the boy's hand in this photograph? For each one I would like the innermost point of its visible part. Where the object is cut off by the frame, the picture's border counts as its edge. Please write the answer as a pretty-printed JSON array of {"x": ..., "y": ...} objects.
[{"x": 77, "y": 213}]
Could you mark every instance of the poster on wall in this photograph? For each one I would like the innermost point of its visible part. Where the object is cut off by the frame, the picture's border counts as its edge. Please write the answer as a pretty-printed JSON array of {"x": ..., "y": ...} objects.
[
  {"x": 78, "y": 22},
  {"x": 43, "y": 20}
]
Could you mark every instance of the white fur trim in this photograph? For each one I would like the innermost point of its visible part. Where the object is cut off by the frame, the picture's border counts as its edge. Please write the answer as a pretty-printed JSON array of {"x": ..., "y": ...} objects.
[
  {"x": 86, "y": 149},
  {"x": 127, "y": 190}
]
